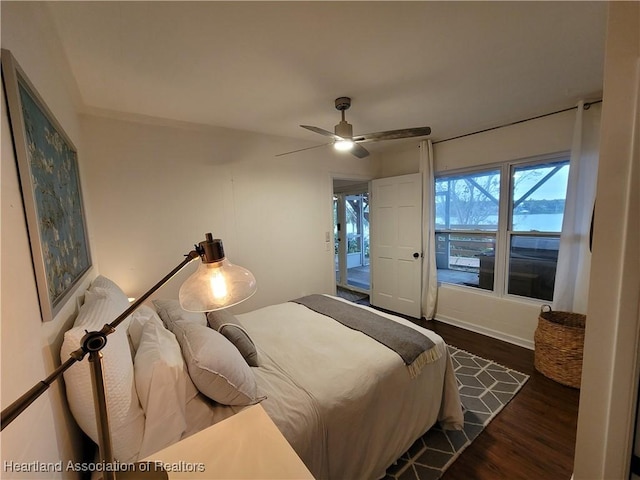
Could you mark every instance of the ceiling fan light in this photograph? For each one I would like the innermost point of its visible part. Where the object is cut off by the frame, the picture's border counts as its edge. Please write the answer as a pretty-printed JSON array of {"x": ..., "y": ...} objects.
[{"x": 343, "y": 145}]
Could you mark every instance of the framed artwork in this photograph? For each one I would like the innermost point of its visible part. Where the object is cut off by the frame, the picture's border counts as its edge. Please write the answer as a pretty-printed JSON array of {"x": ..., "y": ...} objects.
[{"x": 50, "y": 182}]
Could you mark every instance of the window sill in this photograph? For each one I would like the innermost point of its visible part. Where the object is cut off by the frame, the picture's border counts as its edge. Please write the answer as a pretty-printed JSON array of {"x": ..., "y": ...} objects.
[{"x": 489, "y": 293}]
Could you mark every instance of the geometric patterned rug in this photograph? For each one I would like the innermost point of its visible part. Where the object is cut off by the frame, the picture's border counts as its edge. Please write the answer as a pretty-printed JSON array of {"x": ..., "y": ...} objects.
[{"x": 485, "y": 388}]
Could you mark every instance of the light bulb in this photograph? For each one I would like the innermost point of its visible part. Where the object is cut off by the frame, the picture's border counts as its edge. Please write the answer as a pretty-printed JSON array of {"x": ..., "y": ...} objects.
[
  {"x": 216, "y": 285},
  {"x": 343, "y": 145}
]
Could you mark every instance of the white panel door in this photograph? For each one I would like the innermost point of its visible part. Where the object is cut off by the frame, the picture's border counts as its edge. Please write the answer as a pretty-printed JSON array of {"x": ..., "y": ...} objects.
[{"x": 396, "y": 244}]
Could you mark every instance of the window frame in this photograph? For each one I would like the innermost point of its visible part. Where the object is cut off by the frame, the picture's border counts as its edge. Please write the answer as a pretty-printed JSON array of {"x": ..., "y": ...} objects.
[{"x": 504, "y": 233}]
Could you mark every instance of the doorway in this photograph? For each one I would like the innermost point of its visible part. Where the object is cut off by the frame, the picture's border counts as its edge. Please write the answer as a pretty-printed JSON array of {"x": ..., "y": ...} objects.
[{"x": 351, "y": 235}]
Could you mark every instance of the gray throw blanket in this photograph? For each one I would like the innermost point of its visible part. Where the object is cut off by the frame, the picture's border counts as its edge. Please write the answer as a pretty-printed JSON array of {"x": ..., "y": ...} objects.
[{"x": 415, "y": 349}]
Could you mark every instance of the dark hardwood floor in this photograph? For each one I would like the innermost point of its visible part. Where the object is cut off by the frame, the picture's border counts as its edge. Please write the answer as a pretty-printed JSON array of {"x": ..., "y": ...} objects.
[{"x": 534, "y": 436}]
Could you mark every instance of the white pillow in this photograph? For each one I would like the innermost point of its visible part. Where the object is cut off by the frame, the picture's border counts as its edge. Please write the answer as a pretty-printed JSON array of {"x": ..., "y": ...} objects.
[
  {"x": 105, "y": 287},
  {"x": 215, "y": 365},
  {"x": 121, "y": 304},
  {"x": 126, "y": 418},
  {"x": 138, "y": 318},
  {"x": 110, "y": 286},
  {"x": 161, "y": 379}
]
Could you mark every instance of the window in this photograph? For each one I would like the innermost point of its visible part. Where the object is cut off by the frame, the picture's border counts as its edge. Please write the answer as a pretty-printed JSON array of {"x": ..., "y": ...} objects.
[
  {"x": 503, "y": 243},
  {"x": 467, "y": 209}
]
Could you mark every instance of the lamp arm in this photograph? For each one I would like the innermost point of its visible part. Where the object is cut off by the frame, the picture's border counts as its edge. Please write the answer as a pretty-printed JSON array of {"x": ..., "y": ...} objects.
[
  {"x": 16, "y": 408},
  {"x": 92, "y": 342},
  {"x": 110, "y": 327}
]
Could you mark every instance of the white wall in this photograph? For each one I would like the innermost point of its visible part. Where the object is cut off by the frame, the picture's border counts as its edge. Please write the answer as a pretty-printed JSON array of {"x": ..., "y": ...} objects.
[
  {"x": 401, "y": 160},
  {"x": 157, "y": 188},
  {"x": 30, "y": 348},
  {"x": 612, "y": 339},
  {"x": 507, "y": 318}
]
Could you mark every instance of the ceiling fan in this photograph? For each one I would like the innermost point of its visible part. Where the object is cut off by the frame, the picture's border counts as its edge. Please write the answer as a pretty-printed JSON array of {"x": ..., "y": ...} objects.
[{"x": 344, "y": 140}]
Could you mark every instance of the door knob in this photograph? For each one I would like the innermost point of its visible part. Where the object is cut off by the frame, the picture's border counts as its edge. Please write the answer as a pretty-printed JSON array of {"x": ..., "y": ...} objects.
[{"x": 416, "y": 255}]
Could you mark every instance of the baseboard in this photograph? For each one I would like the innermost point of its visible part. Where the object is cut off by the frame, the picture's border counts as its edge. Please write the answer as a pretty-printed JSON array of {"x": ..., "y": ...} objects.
[{"x": 521, "y": 342}]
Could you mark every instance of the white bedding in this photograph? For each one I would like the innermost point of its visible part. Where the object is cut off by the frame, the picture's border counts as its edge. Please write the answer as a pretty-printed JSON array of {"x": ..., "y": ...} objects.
[{"x": 346, "y": 403}]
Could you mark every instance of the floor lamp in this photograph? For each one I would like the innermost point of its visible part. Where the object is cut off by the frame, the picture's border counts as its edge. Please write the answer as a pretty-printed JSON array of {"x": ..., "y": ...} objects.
[{"x": 216, "y": 284}]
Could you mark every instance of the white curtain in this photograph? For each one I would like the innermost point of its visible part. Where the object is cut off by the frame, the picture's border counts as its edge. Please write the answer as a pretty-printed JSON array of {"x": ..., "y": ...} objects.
[
  {"x": 574, "y": 258},
  {"x": 429, "y": 272}
]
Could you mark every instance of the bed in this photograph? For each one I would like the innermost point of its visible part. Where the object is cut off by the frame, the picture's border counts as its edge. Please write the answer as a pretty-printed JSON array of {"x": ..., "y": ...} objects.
[{"x": 348, "y": 405}]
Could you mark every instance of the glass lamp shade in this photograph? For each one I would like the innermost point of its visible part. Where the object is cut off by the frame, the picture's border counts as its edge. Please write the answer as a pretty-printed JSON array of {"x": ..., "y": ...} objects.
[{"x": 216, "y": 285}]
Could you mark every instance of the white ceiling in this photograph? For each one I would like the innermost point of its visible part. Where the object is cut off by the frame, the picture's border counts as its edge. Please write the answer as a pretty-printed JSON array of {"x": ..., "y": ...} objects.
[{"x": 268, "y": 67}]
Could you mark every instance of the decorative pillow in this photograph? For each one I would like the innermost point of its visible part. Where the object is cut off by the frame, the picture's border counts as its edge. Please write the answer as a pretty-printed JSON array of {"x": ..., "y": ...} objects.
[
  {"x": 215, "y": 365},
  {"x": 138, "y": 319},
  {"x": 126, "y": 418},
  {"x": 107, "y": 288},
  {"x": 171, "y": 313},
  {"x": 112, "y": 289},
  {"x": 160, "y": 376},
  {"x": 227, "y": 324}
]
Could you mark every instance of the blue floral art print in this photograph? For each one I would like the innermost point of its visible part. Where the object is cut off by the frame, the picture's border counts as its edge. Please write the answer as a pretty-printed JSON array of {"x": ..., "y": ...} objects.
[{"x": 58, "y": 200}]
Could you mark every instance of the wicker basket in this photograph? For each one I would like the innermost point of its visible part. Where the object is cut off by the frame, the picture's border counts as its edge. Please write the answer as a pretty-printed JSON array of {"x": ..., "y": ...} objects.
[{"x": 559, "y": 341}]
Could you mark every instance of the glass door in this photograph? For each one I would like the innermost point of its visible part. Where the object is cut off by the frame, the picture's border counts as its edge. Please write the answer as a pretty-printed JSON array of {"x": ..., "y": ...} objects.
[
  {"x": 351, "y": 234},
  {"x": 338, "y": 221}
]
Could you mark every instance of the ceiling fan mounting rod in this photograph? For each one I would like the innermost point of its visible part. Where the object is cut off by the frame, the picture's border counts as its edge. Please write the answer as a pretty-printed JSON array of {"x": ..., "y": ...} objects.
[
  {"x": 343, "y": 103},
  {"x": 343, "y": 129}
]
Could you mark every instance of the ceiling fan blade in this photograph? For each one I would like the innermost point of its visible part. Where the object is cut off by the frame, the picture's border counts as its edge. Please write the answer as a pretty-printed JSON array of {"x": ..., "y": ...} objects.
[
  {"x": 322, "y": 131},
  {"x": 359, "y": 151},
  {"x": 393, "y": 134},
  {"x": 303, "y": 149}
]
